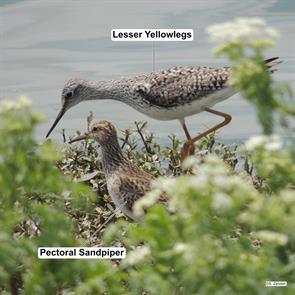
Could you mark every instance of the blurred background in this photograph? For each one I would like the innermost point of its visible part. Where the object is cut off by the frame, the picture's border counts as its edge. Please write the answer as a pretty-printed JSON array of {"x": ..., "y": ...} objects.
[{"x": 44, "y": 43}]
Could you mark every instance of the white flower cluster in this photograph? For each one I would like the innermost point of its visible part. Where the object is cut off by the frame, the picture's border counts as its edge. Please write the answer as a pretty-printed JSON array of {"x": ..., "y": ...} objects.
[
  {"x": 242, "y": 29},
  {"x": 272, "y": 237},
  {"x": 137, "y": 255},
  {"x": 212, "y": 179},
  {"x": 180, "y": 248},
  {"x": 221, "y": 201},
  {"x": 145, "y": 202},
  {"x": 269, "y": 143},
  {"x": 12, "y": 105}
]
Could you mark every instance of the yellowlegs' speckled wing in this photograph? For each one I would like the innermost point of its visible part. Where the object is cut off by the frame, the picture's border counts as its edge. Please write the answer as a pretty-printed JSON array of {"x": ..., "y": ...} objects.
[{"x": 181, "y": 85}]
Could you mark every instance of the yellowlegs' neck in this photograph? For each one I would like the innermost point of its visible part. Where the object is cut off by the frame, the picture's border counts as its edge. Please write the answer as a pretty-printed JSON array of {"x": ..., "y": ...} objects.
[{"x": 107, "y": 89}]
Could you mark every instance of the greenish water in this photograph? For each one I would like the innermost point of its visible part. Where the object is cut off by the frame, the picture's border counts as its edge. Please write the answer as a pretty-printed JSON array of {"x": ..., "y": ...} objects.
[{"x": 44, "y": 43}]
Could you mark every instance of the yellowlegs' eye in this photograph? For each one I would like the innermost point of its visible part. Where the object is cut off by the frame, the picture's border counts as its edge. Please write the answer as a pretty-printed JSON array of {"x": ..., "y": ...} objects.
[
  {"x": 95, "y": 129},
  {"x": 69, "y": 94}
]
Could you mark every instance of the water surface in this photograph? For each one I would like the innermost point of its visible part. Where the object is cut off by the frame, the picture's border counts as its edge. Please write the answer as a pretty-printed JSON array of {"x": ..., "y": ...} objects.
[{"x": 44, "y": 43}]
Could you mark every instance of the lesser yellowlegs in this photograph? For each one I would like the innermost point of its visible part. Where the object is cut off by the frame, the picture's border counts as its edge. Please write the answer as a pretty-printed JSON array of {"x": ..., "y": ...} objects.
[
  {"x": 170, "y": 94},
  {"x": 126, "y": 182}
]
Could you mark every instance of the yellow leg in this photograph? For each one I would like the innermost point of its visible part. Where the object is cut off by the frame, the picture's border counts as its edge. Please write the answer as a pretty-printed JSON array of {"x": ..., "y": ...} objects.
[
  {"x": 188, "y": 148},
  {"x": 182, "y": 122}
]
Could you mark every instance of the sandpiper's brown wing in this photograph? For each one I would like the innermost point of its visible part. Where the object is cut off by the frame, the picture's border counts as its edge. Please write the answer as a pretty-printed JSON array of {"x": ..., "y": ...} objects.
[
  {"x": 180, "y": 85},
  {"x": 132, "y": 188},
  {"x": 134, "y": 184}
]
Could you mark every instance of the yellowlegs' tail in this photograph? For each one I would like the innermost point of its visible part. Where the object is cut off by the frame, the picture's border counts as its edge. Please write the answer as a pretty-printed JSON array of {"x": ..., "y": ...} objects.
[{"x": 271, "y": 62}]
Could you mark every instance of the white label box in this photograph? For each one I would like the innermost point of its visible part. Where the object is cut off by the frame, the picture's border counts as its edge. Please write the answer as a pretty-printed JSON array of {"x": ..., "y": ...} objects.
[
  {"x": 81, "y": 253},
  {"x": 144, "y": 35}
]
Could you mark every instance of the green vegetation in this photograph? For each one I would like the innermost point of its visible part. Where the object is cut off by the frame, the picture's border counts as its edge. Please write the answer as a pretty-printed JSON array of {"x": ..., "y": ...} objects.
[{"x": 229, "y": 226}]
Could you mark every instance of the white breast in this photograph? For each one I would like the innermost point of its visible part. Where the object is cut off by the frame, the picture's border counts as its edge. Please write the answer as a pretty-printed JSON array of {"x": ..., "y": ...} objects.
[
  {"x": 112, "y": 185},
  {"x": 117, "y": 198}
]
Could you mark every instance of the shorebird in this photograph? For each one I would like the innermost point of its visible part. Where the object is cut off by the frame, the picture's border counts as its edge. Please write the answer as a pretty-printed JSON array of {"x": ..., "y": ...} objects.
[
  {"x": 170, "y": 94},
  {"x": 126, "y": 182}
]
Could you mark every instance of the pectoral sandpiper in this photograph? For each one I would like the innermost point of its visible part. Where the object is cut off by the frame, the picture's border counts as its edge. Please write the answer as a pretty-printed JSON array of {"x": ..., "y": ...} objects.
[
  {"x": 170, "y": 94},
  {"x": 126, "y": 182}
]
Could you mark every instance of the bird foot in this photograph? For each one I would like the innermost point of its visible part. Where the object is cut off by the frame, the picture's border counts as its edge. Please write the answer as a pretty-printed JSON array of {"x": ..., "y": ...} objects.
[{"x": 187, "y": 150}]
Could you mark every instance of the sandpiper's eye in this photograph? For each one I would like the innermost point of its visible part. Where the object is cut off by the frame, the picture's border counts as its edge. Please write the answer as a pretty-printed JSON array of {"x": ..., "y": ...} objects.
[
  {"x": 95, "y": 129},
  {"x": 69, "y": 94}
]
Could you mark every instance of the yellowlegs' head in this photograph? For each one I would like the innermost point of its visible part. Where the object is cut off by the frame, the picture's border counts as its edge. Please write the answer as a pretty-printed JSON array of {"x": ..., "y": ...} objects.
[
  {"x": 102, "y": 131},
  {"x": 71, "y": 95}
]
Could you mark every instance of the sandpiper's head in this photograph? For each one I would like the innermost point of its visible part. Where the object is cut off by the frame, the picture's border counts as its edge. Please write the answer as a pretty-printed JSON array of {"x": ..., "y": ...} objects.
[
  {"x": 103, "y": 132},
  {"x": 72, "y": 94}
]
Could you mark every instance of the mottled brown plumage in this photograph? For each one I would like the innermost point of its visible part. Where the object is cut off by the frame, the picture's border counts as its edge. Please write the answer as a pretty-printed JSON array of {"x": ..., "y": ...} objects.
[
  {"x": 126, "y": 182},
  {"x": 181, "y": 85}
]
